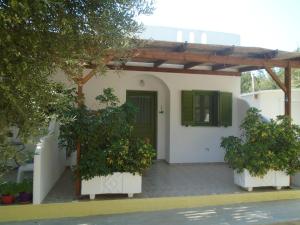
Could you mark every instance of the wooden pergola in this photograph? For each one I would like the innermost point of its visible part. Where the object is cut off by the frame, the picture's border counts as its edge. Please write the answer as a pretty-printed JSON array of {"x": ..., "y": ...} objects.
[
  {"x": 204, "y": 59},
  {"x": 185, "y": 58}
]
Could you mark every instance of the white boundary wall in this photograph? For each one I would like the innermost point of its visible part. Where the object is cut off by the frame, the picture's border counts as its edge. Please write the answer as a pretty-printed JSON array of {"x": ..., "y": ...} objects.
[
  {"x": 49, "y": 164},
  {"x": 271, "y": 103}
]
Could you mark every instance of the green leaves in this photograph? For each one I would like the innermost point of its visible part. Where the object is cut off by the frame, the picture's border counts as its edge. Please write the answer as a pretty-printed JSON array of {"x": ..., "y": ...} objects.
[
  {"x": 39, "y": 36},
  {"x": 106, "y": 139},
  {"x": 264, "y": 146},
  {"x": 9, "y": 188},
  {"x": 108, "y": 97}
]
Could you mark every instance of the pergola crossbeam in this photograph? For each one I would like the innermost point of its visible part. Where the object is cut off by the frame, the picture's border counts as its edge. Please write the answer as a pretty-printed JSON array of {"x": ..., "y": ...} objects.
[
  {"x": 225, "y": 51},
  {"x": 215, "y": 59},
  {"x": 181, "y": 48},
  {"x": 157, "y": 63},
  {"x": 176, "y": 70},
  {"x": 191, "y": 65},
  {"x": 221, "y": 66},
  {"x": 264, "y": 55},
  {"x": 249, "y": 68}
]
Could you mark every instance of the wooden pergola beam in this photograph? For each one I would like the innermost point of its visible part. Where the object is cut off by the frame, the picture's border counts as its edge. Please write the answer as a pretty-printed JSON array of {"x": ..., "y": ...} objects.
[
  {"x": 264, "y": 55},
  {"x": 225, "y": 51},
  {"x": 215, "y": 59},
  {"x": 181, "y": 48},
  {"x": 221, "y": 66},
  {"x": 249, "y": 68},
  {"x": 157, "y": 63},
  {"x": 176, "y": 70},
  {"x": 276, "y": 79},
  {"x": 191, "y": 65}
]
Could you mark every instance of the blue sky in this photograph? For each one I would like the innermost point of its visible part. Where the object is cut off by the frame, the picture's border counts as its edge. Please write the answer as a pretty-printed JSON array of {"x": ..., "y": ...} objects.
[{"x": 262, "y": 23}]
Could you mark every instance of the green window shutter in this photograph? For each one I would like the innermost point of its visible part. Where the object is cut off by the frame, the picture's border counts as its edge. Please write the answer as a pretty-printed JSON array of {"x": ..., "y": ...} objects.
[
  {"x": 215, "y": 108},
  {"x": 187, "y": 108},
  {"x": 225, "y": 109}
]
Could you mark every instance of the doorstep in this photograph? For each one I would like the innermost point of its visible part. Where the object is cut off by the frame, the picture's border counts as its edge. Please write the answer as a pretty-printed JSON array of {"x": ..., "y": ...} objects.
[{"x": 106, "y": 207}]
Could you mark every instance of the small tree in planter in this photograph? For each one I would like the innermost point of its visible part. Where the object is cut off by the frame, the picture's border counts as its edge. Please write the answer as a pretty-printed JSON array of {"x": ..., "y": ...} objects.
[
  {"x": 266, "y": 153},
  {"x": 25, "y": 189},
  {"x": 8, "y": 191},
  {"x": 112, "y": 159}
]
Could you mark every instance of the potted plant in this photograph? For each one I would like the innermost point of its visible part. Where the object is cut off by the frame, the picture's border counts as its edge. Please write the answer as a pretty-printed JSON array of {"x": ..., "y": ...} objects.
[
  {"x": 112, "y": 159},
  {"x": 8, "y": 191},
  {"x": 266, "y": 153},
  {"x": 25, "y": 191}
]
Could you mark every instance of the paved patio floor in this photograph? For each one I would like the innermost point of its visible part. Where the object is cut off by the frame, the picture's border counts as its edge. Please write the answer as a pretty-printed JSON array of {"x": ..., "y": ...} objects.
[{"x": 163, "y": 180}]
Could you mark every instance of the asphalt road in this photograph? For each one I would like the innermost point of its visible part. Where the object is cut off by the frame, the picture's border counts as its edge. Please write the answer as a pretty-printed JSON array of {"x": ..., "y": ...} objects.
[{"x": 241, "y": 214}]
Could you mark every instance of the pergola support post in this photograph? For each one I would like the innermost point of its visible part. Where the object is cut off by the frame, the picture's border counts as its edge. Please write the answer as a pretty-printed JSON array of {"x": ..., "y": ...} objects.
[
  {"x": 80, "y": 102},
  {"x": 288, "y": 93}
]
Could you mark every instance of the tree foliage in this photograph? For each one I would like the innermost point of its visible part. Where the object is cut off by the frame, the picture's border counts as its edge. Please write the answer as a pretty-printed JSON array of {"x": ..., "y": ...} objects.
[
  {"x": 264, "y": 146},
  {"x": 106, "y": 138},
  {"x": 39, "y": 36}
]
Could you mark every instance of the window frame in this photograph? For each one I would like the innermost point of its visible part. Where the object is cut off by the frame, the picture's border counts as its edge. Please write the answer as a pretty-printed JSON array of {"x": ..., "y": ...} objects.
[
  {"x": 212, "y": 112},
  {"x": 221, "y": 107}
]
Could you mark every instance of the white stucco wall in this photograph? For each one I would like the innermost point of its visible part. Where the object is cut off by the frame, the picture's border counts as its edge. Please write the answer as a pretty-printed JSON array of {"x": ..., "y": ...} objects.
[
  {"x": 271, "y": 103},
  {"x": 175, "y": 143},
  {"x": 49, "y": 164}
]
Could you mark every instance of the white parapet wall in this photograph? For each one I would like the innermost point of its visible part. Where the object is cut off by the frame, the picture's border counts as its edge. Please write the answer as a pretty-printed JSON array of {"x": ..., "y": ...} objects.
[
  {"x": 49, "y": 163},
  {"x": 271, "y": 103}
]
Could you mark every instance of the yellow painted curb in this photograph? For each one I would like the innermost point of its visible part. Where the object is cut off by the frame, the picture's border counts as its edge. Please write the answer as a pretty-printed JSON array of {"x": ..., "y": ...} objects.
[{"x": 105, "y": 207}]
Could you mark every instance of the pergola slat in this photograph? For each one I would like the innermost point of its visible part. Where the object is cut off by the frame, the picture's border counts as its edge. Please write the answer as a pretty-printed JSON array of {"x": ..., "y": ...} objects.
[
  {"x": 157, "y": 63},
  {"x": 249, "y": 68},
  {"x": 215, "y": 59},
  {"x": 181, "y": 48},
  {"x": 176, "y": 70},
  {"x": 191, "y": 65},
  {"x": 264, "y": 55},
  {"x": 225, "y": 51},
  {"x": 221, "y": 66}
]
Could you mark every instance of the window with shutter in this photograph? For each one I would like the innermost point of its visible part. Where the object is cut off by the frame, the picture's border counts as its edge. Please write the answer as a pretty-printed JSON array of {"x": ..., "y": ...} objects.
[
  {"x": 225, "y": 109},
  {"x": 206, "y": 108},
  {"x": 187, "y": 107}
]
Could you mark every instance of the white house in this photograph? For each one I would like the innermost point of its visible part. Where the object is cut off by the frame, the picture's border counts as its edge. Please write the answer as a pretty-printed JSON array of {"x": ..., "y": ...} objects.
[
  {"x": 174, "y": 141},
  {"x": 173, "y": 82},
  {"x": 188, "y": 96}
]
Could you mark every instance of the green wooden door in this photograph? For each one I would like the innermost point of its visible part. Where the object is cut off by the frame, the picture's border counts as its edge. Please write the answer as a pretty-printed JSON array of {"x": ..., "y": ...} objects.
[{"x": 145, "y": 121}]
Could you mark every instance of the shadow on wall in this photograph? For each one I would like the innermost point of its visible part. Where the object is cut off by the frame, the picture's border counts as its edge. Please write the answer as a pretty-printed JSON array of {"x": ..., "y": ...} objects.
[{"x": 243, "y": 106}]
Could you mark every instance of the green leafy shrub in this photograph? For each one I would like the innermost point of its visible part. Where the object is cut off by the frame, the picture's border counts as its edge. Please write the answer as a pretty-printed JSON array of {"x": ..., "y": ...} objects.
[
  {"x": 8, "y": 188},
  {"x": 106, "y": 139},
  {"x": 264, "y": 146},
  {"x": 25, "y": 186}
]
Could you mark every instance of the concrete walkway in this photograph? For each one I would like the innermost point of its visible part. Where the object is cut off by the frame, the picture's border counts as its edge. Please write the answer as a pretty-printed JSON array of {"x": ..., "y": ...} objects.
[{"x": 240, "y": 214}]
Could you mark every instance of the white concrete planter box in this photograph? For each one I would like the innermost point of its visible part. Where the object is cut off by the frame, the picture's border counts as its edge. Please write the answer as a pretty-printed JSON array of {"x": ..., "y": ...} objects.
[
  {"x": 117, "y": 183},
  {"x": 276, "y": 179}
]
